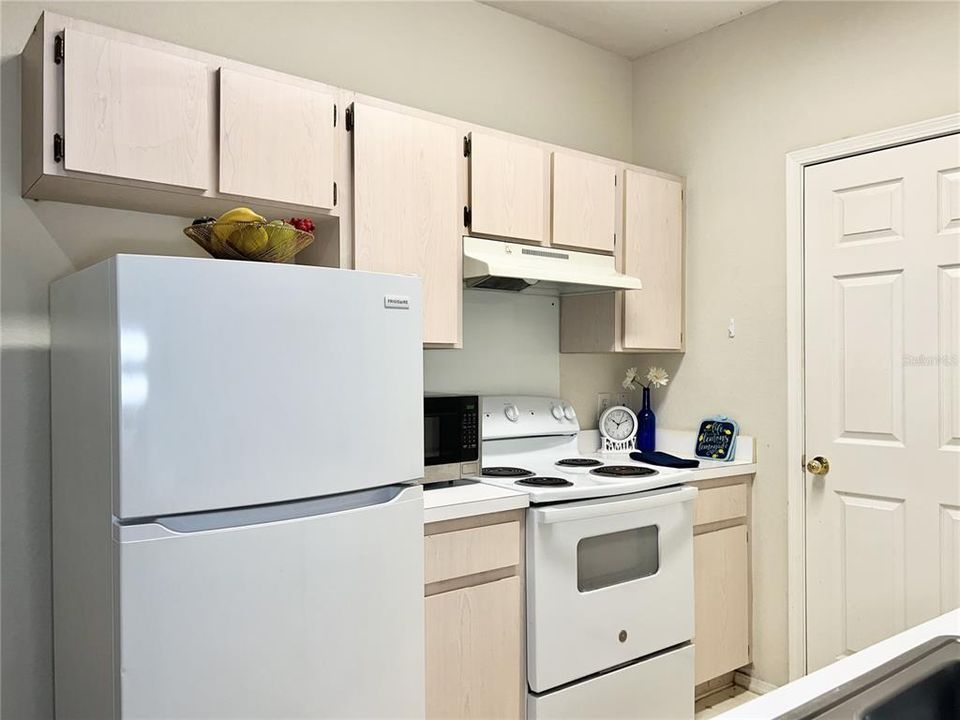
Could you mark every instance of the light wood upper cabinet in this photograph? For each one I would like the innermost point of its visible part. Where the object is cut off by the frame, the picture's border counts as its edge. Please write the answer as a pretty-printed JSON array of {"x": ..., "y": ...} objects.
[
  {"x": 508, "y": 188},
  {"x": 653, "y": 252},
  {"x": 474, "y": 661},
  {"x": 406, "y": 210},
  {"x": 722, "y": 603},
  {"x": 276, "y": 140},
  {"x": 649, "y": 247},
  {"x": 584, "y": 203},
  {"x": 135, "y": 113}
]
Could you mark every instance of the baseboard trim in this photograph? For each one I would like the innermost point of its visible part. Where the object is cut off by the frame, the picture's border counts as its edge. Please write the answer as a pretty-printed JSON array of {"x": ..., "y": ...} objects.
[
  {"x": 708, "y": 688},
  {"x": 754, "y": 685}
]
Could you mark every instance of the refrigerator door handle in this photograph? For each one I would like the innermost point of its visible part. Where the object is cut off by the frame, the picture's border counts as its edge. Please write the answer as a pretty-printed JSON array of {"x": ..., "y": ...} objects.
[{"x": 190, "y": 523}]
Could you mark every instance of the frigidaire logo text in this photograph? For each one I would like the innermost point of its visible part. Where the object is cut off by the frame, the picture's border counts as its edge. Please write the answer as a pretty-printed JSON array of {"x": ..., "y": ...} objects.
[{"x": 396, "y": 302}]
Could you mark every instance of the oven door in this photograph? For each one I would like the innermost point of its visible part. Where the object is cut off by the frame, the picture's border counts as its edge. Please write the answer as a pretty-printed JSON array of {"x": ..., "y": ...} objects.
[{"x": 608, "y": 581}]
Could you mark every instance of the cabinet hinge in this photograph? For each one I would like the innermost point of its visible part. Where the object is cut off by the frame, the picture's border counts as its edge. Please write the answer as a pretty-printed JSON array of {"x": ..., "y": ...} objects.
[
  {"x": 57, "y": 147},
  {"x": 58, "y": 49},
  {"x": 334, "y": 193},
  {"x": 614, "y": 180},
  {"x": 334, "y": 114},
  {"x": 466, "y": 216},
  {"x": 348, "y": 118},
  {"x": 466, "y": 146}
]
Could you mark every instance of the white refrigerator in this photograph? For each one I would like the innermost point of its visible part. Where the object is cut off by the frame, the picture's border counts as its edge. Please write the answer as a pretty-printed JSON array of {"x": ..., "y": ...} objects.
[{"x": 235, "y": 535}]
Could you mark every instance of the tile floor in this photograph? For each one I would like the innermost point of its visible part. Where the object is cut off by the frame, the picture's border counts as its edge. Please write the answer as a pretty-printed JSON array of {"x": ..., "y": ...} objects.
[{"x": 722, "y": 701}]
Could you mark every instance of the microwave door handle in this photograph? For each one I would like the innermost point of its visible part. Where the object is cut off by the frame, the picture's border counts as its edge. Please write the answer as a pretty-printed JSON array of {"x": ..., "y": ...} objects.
[{"x": 616, "y": 507}]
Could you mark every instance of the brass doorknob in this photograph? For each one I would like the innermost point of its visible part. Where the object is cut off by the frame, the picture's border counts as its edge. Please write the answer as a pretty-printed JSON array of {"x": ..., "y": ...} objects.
[{"x": 819, "y": 465}]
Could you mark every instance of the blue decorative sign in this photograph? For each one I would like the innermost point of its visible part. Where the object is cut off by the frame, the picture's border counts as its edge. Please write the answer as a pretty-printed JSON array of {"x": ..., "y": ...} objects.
[{"x": 717, "y": 438}]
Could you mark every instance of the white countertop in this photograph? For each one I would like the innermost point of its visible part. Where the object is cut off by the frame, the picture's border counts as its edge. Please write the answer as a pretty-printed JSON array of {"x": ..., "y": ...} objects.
[
  {"x": 459, "y": 501},
  {"x": 817, "y": 683},
  {"x": 681, "y": 443}
]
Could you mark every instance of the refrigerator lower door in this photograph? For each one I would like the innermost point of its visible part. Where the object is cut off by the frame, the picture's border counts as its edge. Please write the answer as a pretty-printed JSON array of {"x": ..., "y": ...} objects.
[{"x": 311, "y": 609}]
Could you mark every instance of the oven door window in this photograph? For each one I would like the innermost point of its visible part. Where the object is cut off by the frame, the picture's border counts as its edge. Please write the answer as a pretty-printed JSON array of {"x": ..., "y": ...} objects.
[{"x": 616, "y": 558}]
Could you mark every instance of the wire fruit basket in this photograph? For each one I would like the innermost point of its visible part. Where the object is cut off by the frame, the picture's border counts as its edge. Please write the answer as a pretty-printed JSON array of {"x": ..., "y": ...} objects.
[{"x": 259, "y": 241}]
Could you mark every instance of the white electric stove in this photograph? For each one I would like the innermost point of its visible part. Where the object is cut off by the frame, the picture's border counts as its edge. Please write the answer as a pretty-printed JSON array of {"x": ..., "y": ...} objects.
[
  {"x": 609, "y": 562},
  {"x": 530, "y": 443}
]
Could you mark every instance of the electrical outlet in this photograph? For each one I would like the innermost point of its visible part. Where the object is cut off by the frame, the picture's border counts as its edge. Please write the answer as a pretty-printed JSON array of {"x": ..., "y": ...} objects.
[
  {"x": 623, "y": 398},
  {"x": 604, "y": 400}
]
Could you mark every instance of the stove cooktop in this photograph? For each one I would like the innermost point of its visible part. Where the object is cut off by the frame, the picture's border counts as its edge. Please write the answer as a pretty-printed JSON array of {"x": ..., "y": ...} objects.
[
  {"x": 532, "y": 444},
  {"x": 547, "y": 481}
]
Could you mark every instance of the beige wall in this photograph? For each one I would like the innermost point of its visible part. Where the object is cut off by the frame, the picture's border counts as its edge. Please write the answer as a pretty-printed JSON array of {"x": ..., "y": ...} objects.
[
  {"x": 460, "y": 59},
  {"x": 723, "y": 109}
]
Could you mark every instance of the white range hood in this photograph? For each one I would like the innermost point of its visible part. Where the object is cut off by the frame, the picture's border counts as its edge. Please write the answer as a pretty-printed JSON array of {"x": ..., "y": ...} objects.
[{"x": 499, "y": 265}]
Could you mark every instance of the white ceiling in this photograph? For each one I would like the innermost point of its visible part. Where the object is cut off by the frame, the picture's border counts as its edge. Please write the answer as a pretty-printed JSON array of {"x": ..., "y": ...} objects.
[{"x": 630, "y": 28}]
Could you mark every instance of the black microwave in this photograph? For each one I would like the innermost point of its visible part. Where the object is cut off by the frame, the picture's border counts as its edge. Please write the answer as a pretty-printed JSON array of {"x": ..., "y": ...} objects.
[{"x": 451, "y": 436}]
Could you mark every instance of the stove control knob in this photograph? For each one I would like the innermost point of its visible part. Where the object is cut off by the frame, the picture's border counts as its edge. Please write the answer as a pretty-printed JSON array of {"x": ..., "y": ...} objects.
[
  {"x": 512, "y": 412},
  {"x": 569, "y": 413},
  {"x": 557, "y": 412}
]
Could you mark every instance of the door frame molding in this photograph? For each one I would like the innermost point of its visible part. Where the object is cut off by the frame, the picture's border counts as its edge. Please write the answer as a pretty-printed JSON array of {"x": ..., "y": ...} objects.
[{"x": 796, "y": 161}]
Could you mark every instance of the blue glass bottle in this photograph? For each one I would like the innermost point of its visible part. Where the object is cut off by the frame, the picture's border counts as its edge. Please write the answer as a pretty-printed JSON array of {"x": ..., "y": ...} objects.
[{"x": 646, "y": 425}]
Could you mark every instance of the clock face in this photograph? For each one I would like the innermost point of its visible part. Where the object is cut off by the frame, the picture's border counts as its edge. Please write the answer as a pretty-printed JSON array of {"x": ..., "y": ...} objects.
[{"x": 618, "y": 423}]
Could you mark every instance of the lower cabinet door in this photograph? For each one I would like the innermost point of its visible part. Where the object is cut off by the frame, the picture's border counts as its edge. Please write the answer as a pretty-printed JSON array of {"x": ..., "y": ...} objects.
[
  {"x": 722, "y": 615},
  {"x": 474, "y": 652}
]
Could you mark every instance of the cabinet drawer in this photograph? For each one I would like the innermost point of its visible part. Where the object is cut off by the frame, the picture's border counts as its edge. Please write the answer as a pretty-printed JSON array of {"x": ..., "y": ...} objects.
[
  {"x": 720, "y": 503},
  {"x": 467, "y": 552}
]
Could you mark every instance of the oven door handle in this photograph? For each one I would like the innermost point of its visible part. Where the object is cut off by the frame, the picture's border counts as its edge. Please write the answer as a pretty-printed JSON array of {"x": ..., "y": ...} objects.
[{"x": 557, "y": 514}]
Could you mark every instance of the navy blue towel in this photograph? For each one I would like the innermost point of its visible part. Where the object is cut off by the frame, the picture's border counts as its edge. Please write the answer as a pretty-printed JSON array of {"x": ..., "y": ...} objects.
[{"x": 663, "y": 459}]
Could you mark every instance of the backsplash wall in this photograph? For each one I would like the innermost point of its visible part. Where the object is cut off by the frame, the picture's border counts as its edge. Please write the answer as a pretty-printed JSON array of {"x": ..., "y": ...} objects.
[{"x": 511, "y": 345}]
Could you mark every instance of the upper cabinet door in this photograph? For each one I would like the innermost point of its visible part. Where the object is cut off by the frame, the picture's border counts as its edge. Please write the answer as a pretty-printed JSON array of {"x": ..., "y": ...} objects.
[
  {"x": 508, "y": 188},
  {"x": 276, "y": 140},
  {"x": 135, "y": 113},
  {"x": 584, "y": 203},
  {"x": 406, "y": 182},
  {"x": 653, "y": 252}
]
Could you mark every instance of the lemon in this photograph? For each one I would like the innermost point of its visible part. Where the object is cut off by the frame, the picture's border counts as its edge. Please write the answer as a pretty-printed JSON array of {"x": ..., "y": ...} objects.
[{"x": 226, "y": 224}]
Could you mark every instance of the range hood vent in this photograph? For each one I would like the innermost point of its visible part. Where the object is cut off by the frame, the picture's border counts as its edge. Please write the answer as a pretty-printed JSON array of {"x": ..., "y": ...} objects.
[{"x": 499, "y": 265}]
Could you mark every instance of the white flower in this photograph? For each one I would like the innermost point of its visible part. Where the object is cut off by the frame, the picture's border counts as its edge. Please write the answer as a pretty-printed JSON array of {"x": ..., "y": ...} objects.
[
  {"x": 632, "y": 380},
  {"x": 658, "y": 377}
]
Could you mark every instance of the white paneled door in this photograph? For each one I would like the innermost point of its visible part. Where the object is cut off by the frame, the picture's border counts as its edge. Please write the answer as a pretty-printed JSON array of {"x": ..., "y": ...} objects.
[{"x": 882, "y": 393}]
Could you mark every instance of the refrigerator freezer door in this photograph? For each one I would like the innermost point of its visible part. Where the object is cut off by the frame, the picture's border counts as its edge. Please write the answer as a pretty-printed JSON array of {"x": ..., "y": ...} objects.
[
  {"x": 318, "y": 616},
  {"x": 248, "y": 383}
]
